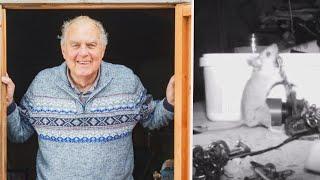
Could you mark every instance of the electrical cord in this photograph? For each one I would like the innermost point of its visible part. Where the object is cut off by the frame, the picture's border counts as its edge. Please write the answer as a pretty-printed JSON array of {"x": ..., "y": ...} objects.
[{"x": 297, "y": 136}]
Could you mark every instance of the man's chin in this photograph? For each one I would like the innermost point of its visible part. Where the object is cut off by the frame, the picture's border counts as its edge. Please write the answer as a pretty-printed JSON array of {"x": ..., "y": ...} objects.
[{"x": 84, "y": 74}]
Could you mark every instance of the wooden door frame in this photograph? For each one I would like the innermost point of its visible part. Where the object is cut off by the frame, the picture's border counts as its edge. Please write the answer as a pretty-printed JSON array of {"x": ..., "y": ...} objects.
[
  {"x": 3, "y": 109},
  {"x": 182, "y": 91},
  {"x": 182, "y": 71}
]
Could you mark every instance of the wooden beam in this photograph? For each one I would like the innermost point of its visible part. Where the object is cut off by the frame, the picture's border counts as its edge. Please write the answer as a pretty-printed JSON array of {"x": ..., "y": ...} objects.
[
  {"x": 88, "y": 6},
  {"x": 3, "y": 106},
  {"x": 182, "y": 91},
  {"x": 96, "y": 1}
]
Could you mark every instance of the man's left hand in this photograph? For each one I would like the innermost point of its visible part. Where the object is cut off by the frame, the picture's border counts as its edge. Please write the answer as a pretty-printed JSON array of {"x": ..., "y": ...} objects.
[{"x": 170, "y": 91}]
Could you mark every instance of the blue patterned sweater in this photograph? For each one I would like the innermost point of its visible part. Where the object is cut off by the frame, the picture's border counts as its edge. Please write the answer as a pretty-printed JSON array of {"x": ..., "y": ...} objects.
[{"x": 90, "y": 140}]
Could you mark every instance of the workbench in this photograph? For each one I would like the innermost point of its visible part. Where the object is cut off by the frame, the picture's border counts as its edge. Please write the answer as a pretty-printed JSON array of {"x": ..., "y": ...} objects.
[{"x": 290, "y": 156}]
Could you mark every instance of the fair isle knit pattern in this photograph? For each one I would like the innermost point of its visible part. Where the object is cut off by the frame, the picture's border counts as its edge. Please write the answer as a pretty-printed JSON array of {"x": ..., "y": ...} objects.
[{"x": 89, "y": 140}]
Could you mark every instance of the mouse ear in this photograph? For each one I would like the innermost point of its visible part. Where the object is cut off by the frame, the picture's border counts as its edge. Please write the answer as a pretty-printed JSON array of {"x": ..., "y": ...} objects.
[{"x": 255, "y": 62}]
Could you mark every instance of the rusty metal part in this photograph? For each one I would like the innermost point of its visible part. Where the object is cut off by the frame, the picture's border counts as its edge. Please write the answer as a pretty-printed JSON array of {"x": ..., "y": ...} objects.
[
  {"x": 209, "y": 162},
  {"x": 239, "y": 150},
  {"x": 268, "y": 172}
]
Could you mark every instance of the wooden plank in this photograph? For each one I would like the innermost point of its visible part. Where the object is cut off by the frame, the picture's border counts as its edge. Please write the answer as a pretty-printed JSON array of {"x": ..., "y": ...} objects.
[
  {"x": 182, "y": 93},
  {"x": 178, "y": 95},
  {"x": 3, "y": 106},
  {"x": 186, "y": 93},
  {"x": 96, "y": 1},
  {"x": 90, "y": 4},
  {"x": 87, "y": 6}
]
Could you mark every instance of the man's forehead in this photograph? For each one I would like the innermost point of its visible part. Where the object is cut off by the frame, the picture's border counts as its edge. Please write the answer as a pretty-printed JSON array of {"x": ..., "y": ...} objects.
[
  {"x": 90, "y": 41},
  {"x": 83, "y": 29},
  {"x": 84, "y": 24}
]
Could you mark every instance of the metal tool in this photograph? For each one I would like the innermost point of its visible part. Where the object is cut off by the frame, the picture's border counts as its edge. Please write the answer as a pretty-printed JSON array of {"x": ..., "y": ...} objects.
[
  {"x": 239, "y": 150},
  {"x": 268, "y": 172},
  {"x": 209, "y": 162},
  {"x": 296, "y": 114}
]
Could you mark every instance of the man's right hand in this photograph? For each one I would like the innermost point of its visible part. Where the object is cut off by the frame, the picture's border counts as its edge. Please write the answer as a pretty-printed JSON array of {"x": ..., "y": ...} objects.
[{"x": 10, "y": 88}]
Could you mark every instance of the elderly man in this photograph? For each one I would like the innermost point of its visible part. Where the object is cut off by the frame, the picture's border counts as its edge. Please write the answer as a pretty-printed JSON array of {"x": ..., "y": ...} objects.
[{"x": 84, "y": 110}]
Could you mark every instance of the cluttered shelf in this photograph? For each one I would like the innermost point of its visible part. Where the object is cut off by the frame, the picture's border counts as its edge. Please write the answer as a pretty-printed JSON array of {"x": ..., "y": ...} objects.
[
  {"x": 289, "y": 22},
  {"x": 291, "y": 156}
]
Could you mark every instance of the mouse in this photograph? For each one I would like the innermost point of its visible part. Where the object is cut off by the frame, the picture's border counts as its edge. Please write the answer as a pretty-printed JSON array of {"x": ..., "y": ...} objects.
[{"x": 267, "y": 73}]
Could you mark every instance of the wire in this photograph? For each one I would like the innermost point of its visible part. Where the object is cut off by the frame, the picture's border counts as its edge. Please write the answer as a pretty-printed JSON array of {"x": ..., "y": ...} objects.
[
  {"x": 271, "y": 148},
  {"x": 291, "y": 18}
]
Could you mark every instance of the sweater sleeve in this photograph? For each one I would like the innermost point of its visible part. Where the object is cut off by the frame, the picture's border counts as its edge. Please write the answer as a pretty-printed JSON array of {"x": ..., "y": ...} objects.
[
  {"x": 155, "y": 113},
  {"x": 19, "y": 126}
]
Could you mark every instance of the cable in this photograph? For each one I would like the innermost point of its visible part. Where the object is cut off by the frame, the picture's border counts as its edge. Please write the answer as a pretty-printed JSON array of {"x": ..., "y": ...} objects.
[
  {"x": 291, "y": 19},
  {"x": 272, "y": 148}
]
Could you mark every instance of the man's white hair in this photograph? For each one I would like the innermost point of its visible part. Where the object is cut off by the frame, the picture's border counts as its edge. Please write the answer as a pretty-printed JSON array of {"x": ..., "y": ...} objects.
[{"x": 66, "y": 25}]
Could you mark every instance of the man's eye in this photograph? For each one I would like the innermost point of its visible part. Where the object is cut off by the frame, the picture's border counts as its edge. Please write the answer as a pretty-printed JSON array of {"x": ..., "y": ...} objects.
[
  {"x": 91, "y": 46},
  {"x": 75, "y": 45}
]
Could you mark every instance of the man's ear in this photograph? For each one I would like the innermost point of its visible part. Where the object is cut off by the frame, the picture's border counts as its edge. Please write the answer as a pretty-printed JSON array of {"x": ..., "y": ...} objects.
[
  {"x": 63, "y": 50},
  {"x": 103, "y": 51}
]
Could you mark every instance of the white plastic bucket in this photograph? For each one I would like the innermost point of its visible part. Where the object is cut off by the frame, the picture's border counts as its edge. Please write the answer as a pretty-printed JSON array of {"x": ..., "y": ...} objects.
[{"x": 226, "y": 74}]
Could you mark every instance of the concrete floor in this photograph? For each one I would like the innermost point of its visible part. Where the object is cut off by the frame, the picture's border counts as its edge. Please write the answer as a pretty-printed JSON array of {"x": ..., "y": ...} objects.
[{"x": 290, "y": 156}]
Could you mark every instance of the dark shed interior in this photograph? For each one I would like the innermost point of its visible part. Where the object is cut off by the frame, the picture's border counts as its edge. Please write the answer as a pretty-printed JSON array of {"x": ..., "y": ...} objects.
[{"x": 140, "y": 39}]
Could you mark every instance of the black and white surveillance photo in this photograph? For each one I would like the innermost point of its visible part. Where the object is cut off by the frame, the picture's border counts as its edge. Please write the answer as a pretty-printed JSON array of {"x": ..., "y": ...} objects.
[{"x": 256, "y": 100}]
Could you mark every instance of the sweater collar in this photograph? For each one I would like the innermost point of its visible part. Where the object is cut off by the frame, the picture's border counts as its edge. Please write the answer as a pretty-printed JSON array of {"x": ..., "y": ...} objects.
[
  {"x": 104, "y": 79},
  {"x": 90, "y": 90}
]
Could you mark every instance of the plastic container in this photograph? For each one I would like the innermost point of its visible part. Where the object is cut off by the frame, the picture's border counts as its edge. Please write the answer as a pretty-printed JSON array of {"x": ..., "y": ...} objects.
[{"x": 226, "y": 74}]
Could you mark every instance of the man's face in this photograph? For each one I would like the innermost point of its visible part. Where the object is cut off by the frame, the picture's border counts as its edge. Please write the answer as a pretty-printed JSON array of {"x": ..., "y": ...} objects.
[{"x": 83, "y": 49}]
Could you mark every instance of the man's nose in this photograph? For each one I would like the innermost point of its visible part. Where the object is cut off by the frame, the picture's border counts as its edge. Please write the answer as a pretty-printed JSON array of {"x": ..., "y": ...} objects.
[{"x": 83, "y": 51}]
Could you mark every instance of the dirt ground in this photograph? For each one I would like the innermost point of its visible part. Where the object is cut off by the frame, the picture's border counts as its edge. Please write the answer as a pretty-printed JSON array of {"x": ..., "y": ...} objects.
[{"x": 290, "y": 156}]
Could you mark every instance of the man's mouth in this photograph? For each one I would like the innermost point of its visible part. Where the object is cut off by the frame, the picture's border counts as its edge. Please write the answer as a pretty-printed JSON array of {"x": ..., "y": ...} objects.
[{"x": 84, "y": 62}]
